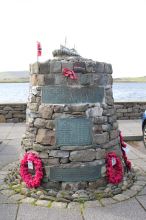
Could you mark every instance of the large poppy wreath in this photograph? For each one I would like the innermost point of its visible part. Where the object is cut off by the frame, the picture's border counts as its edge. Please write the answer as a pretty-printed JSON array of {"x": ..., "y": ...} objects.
[
  {"x": 32, "y": 181},
  {"x": 114, "y": 168}
]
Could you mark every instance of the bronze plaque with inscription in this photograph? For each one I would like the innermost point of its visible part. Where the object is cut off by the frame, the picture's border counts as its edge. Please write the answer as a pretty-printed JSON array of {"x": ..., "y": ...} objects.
[
  {"x": 73, "y": 131},
  {"x": 75, "y": 174},
  {"x": 72, "y": 95}
]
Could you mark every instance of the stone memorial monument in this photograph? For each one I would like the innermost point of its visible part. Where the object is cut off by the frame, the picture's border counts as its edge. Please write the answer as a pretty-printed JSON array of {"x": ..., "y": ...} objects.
[{"x": 71, "y": 122}]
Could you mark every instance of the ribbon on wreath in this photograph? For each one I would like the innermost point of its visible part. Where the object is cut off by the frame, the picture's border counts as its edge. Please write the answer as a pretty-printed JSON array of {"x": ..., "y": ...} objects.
[{"x": 123, "y": 147}]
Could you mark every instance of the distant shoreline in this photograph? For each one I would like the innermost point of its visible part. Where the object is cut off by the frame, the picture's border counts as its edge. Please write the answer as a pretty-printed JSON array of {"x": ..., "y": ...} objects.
[
  {"x": 27, "y": 81},
  {"x": 14, "y": 81},
  {"x": 116, "y": 81},
  {"x": 14, "y": 77},
  {"x": 130, "y": 80},
  {"x": 23, "y": 77}
]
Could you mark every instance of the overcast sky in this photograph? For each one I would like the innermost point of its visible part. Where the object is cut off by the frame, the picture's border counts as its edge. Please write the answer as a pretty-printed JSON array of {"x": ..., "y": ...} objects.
[{"x": 112, "y": 31}]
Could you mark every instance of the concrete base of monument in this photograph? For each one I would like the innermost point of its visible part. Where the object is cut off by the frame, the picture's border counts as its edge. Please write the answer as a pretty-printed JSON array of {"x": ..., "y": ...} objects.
[{"x": 131, "y": 185}]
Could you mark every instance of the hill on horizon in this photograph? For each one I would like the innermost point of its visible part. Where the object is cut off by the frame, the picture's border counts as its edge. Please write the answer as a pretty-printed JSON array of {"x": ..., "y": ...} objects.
[
  {"x": 131, "y": 79},
  {"x": 23, "y": 76},
  {"x": 14, "y": 76}
]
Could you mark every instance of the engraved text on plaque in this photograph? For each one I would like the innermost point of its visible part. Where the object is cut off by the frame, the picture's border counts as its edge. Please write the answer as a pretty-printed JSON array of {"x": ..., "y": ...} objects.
[
  {"x": 67, "y": 95},
  {"x": 73, "y": 131}
]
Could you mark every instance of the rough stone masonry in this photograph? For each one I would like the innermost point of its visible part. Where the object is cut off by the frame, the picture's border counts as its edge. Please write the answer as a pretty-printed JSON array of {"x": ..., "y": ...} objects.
[{"x": 71, "y": 124}]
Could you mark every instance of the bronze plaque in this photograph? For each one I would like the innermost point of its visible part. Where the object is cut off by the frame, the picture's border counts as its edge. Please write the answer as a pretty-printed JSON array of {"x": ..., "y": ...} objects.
[
  {"x": 73, "y": 131},
  {"x": 75, "y": 174},
  {"x": 72, "y": 95}
]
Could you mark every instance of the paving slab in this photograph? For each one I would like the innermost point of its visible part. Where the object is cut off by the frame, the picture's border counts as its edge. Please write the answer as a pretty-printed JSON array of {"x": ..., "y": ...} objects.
[
  {"x": 138, "y": 145},
  {"x": 15, "y": 142},
  {"x": 5, "y": 129},
  {"x": 131, "y": 129},
  {"x": 8, "y": 211},
  {"x": 140, "y": 163},
  {"x": 30, "y": 212},
  {"x": 10, "y": 134},
  {"x": 8, "y": 192},
  {"x": 5, "y": 199},
  {"x": 143, "y": 192},
  {"x": 17, "y": 130},
  {"x": 3, "y": 145},
  {"x": 128, "y": 210},
  {"x": 6, "y": 159},
  {"x": 16, "y": 197},
  {"x": 11, "y": 148},
  {"x": 142, "y": 200},
  {"x": 135, "y": 153}
]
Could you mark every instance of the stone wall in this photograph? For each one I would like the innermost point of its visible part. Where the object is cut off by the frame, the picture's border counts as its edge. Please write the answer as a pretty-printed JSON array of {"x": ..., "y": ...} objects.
[
  {"x": 124, "y": 110},
  {"x": 129, "y": 110},
  {"x": 12, "y": 112}
]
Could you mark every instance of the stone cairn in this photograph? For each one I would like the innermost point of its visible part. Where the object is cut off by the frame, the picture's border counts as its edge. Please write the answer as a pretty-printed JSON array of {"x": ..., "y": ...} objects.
[{"x": 71, "y": 124}]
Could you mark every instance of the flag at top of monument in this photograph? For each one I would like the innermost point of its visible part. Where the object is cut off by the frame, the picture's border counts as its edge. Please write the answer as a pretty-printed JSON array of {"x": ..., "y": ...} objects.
[{"x": 39, "y": 49}]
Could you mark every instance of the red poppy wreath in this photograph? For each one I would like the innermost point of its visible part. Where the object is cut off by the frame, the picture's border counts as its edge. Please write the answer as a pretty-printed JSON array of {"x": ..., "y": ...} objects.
[
  {"x": 114, "y": 168},
  {"x": 32, "y": 181},
  {"x": 69, "y": 73}
]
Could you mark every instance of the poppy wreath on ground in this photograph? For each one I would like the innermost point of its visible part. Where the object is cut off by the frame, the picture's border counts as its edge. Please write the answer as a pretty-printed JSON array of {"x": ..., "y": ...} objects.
[
  {"x": 32, "y": 181},
  {"x": 114, "y": 168},
  {"x": 123, "y": 145}
]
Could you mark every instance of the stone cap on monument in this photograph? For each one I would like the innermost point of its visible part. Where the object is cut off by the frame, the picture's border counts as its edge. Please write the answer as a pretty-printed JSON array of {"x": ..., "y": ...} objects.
[{"x": 70, "y": 58}]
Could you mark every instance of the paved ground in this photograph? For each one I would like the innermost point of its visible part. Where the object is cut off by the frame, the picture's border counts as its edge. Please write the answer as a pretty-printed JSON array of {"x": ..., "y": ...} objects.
[
  {"x": 132, "y": 209},
  {"x": 138, "y": 145},
  {"x": 131, "y": 129},
  {"x": 10, "y": 135}
]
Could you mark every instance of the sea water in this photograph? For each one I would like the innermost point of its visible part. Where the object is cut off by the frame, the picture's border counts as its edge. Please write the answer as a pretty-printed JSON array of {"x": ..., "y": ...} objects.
[{"x": 18, "y": 92}]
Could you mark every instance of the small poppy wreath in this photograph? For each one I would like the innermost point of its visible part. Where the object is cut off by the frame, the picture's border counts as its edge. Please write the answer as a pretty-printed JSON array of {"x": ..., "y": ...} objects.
[
  {"x": 69, "y": 73},
  {"x": 114, "y": 172},
  {"x": 30, "y": 180}
]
